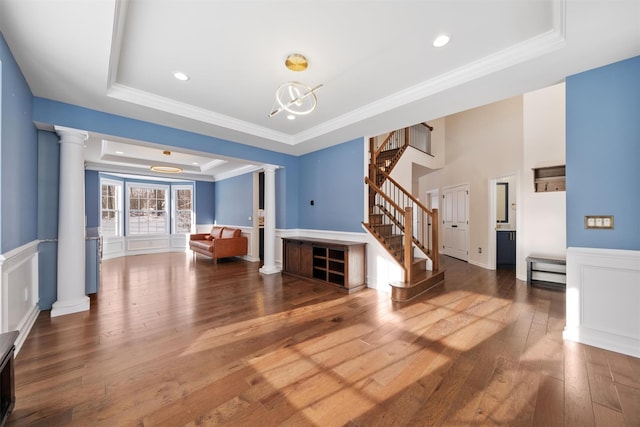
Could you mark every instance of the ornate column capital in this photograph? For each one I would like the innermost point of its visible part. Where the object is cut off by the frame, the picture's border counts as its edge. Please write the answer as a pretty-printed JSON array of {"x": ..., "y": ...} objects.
[
  {"x": 269, "y": 168},
  {"x": 71, "y": 135}
]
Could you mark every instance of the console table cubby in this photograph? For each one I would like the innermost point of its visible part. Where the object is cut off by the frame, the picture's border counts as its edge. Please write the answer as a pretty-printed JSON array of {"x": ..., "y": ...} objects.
[{"x": 335, "y": 262}]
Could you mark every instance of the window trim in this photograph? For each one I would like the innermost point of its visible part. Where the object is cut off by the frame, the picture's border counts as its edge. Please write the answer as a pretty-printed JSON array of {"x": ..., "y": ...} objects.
[
  {"x": 119, "y": 208},
  {"x": 174, "y": 210},
  {"x": 167, "y": 192}
]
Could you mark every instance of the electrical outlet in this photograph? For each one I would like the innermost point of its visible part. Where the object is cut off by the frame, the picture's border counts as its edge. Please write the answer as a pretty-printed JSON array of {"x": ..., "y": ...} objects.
[{"x": 479, "y": 250}]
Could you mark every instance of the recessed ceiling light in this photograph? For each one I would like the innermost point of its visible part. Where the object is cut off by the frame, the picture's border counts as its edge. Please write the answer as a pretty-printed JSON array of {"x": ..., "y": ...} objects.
[
  {"x": 441, "y": 40},
  {"x": 119, "y": 152},
  {"x": 291, "y": 117},
  {"x": 195, "y": 163},
  {"x": 181, "y": 76}
]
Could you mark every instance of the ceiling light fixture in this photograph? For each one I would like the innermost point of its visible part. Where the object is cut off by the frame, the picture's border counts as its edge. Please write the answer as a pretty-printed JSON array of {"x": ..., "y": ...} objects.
[
  {"x": 181, "y": 76},
  {"x": 296, "y": 98},
  {"x": 296, "y": 62},
  {"x": 441, "y": 41},
  {"x": 166, "y": 169}
]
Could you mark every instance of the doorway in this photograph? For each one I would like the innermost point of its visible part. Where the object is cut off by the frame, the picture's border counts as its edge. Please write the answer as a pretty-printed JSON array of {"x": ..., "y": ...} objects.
[
  {"x": 455, "y": 221},
  {"x": 503, "y": 226}
]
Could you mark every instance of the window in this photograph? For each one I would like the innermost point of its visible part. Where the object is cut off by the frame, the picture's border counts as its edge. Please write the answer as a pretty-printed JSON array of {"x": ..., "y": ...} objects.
[
  {"x": 182, "y": 209},
  {"x": 147, "y": 209},
  {"x": 111, "y": 208}
]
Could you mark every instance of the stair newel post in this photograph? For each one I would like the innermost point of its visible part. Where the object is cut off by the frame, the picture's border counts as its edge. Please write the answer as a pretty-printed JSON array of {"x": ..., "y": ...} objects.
[
  {"x": 373, "y": 168},
  {"x": 408, "y": 233},
  {"x": 406, "y": 137},
  {"x": 434, "y": 238}
]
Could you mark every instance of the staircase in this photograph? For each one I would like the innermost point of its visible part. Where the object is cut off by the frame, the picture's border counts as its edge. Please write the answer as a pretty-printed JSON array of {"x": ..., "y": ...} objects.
[{"x": 402, "y": 225}]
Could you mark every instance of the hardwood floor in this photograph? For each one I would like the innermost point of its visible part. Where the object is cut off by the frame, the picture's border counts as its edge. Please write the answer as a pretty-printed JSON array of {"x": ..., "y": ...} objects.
[{"x": 174, "y": 341}]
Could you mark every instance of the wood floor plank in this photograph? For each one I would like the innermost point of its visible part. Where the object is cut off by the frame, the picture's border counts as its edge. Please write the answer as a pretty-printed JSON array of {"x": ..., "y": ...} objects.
[
  {"x": 608, "y": 417},
  {"x": 549, "y": 403},
  {"x": 175, "y": 340},
  {"x": 578, "y": 409},
  {"x": 603, "y": 390},
  {"x": 630, "y": 403}
]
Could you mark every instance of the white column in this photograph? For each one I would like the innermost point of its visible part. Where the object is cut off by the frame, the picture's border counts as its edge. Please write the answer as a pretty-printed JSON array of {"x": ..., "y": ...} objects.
[
  {"x": 269, "y": 266},
  {"x": 71, "y": 224}
]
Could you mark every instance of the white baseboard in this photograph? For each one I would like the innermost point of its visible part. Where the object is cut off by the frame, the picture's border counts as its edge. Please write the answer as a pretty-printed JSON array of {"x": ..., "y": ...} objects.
[
  {"x": 603, "y": 296},
  {"x": 480, "y": 264},
  {"x": 25, "y": 328}
]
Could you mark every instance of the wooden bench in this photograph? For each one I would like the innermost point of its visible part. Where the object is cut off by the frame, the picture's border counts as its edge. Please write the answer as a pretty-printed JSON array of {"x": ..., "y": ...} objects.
[{"x": 549, "y": 272}]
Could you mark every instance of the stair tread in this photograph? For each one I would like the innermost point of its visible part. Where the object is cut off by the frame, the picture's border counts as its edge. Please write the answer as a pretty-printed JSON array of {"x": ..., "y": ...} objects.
[
  {"x": 403, "y": 292},
  {"x": 419, "y": 278}
]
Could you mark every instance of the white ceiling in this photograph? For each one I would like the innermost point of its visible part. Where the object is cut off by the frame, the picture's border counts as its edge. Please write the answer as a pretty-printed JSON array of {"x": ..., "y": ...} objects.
[{"x": 375, "y": 60}]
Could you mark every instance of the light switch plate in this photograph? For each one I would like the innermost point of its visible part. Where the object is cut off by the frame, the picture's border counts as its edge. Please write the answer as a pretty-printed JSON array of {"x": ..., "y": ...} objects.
[{"x": 598, "y": 222}]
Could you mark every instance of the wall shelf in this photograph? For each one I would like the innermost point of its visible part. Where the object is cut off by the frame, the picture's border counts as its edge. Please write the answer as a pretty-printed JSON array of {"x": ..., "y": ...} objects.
[{"x": 551, "y": 178}]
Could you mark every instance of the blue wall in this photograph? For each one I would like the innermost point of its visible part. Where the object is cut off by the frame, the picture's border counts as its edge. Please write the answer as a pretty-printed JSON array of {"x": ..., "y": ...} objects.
[
  {"x": 234, "y": 201},
  {"x": 18, "y": 157},
  {"x": 205, "y": 202},
  {"x": 48, "y": 183},
  {"x": 603, "y": 154},
  {"x": 334, "y": 179},
  {"x": 92, "y": 195},
  {"x": 53, "y": 112},
  {"x": 48, "y": 179}
]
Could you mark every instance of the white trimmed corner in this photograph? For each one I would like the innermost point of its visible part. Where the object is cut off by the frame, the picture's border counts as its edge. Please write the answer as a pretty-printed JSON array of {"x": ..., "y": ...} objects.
[
  {"x": 603, "y": 296},
  {"x": 19, "y": 291}
]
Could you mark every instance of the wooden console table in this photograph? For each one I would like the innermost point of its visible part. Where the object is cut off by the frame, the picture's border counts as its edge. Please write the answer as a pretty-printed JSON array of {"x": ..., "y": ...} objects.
[
  {"x": 334, "y": 262},
  {"x": 7, "y": 390}
]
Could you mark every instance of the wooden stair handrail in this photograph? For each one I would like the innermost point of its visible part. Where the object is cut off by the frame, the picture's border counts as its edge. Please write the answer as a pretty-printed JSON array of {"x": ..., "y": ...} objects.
[
  {"x": 382, "y": 193},
  {"x": 409, "y": 195},
  {"x": 386, "y": 141},
  {"x": 406, "y": 213},
  {"x": 433, "y": 250}
]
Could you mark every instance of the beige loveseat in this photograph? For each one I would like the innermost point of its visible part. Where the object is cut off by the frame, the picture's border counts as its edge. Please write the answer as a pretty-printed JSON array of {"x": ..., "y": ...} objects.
[{"x": 221, "y": 242}]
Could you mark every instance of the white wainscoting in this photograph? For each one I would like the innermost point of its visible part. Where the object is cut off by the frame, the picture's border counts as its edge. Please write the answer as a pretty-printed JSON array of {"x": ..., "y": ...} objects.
[
  {"x": 114, "y": 247},
  {"x": 19, "y": 295},
  {"x": 603, "y": 299}
]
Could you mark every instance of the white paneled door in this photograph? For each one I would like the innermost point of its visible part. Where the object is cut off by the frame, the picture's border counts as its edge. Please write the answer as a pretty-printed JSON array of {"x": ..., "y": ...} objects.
[{"x": 455, "y": 220}]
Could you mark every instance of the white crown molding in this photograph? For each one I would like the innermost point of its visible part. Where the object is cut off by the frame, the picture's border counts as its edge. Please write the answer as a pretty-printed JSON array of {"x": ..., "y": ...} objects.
[
  {"x": 527, "y": 50},
  {"x": 150, "y": 100},
  {"x": 516, "y": 54},
  {"x": 101, "y": 167},
  {"x": 237, "y": 172}
]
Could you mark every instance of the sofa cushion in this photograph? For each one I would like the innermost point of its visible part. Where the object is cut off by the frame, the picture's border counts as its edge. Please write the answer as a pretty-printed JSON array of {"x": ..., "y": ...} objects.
[
  {"x": 201, "y": 244},
  {"x": 216, "y": 232},
  {"x": 228, "y": 233}
]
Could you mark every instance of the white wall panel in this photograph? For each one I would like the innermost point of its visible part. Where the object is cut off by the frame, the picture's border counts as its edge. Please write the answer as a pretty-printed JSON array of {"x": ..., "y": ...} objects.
[
  {"x": 603, "y": 297},
  {"x": 19, "y": 293}
]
